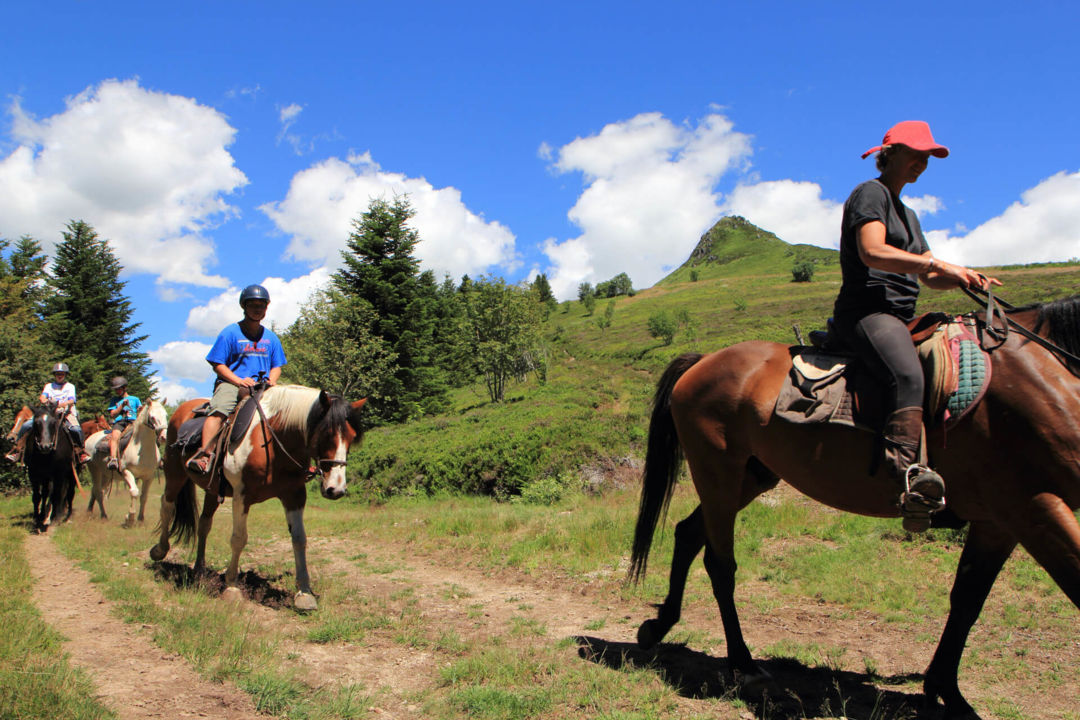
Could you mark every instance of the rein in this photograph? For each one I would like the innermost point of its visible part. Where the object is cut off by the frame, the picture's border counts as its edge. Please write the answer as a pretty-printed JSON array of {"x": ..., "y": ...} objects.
[
  {"x": 999, "y": 309},
  {"x": 317, "y": 471}
]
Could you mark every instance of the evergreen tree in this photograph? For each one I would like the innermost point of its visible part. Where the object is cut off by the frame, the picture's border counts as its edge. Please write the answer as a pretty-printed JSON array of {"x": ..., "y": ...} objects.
[
  {"x": 23, "y": 371},
  {"x": 380, "y": 268},
  {"x": 88, "y": 319}
]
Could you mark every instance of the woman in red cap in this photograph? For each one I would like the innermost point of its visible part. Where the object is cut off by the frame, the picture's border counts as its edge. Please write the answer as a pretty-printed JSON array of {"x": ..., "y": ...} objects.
[{"x": 883, "y": 256}]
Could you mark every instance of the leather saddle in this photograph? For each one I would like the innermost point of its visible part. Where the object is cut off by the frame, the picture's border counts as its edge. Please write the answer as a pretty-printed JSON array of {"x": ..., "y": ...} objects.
[{"x": 828, "y": 383}]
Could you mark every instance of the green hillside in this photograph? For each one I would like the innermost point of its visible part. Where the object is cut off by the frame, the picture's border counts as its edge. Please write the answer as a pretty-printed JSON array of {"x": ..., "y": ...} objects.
[
  {"x": 734, "y": 247},
  {"x": 586, "y": 425}
]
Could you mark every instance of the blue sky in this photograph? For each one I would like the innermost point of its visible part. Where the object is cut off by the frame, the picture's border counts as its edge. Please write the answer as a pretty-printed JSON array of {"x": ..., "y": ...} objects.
[{"x": 219, "y": 147}]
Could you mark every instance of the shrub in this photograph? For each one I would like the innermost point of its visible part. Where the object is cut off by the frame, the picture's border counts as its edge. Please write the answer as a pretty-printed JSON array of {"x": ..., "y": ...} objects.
[{"x": 802, "y": 272}]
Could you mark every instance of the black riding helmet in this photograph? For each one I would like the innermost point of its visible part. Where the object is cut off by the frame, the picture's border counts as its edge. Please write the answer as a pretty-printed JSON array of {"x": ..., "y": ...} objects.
[
  {"x": 118, "y": 382},
  {"x": 253, "y": 292}
]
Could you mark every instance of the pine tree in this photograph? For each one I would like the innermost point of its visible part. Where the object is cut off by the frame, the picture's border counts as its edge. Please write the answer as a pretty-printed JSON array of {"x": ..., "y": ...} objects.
[
  {"x": 22, "y": 369},
  {"x": 88, "y": 319},
  {"x": 380, "y": 268}
]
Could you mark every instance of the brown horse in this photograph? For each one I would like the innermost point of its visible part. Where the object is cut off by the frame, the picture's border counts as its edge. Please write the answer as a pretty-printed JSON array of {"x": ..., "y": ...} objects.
[
  {"x": 271, "y": 460},
  {"x": 1012, "y": 470}
]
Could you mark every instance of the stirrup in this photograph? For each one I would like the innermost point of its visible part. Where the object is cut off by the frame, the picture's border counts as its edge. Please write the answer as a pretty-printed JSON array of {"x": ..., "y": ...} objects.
[
  {"x": 113, "y": 464},
  {"x": 924, "y": 495},
  {"x": 198, "y": 467}
]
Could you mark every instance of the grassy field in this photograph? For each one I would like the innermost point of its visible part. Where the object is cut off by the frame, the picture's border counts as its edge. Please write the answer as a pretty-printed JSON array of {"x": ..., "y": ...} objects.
[{"x": 537, "y": 496}]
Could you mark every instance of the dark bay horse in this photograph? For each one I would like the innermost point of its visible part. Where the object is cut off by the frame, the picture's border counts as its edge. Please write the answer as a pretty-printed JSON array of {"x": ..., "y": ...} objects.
[
  {"x": 1011, "y": 467},
  {"x": 50, "y": 466},
  {"x": 305, "y": 425}
]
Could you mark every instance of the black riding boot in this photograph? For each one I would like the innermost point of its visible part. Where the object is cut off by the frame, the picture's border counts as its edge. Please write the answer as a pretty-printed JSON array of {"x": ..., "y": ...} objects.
[
  {"x": 79, "y": 444},
  {"x": 922, "y": 491}
]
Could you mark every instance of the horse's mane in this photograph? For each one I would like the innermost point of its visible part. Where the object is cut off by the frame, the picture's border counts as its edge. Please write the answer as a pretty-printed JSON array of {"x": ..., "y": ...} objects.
[
  {"x": 292, "y": 404},
  {"x": 1061, "y": 318}
]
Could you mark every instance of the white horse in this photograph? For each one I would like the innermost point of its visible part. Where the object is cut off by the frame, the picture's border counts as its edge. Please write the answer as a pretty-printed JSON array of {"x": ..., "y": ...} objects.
[{"x": 140, "y": 459}]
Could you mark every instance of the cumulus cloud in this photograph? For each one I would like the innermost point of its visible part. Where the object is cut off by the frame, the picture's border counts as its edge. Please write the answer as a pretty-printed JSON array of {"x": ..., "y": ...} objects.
[
  {"x": 172, "y": 392},
  {"x": 182, "y": 359},
  {"x": 323, "y": 200},
  {"x": 650, "y": 193},
  {"x": 794, "y": 211},
  {"x": 148, "y": 170},
  {"x": 286, "y": 299},
  {"x": 1043, "y": 226}
]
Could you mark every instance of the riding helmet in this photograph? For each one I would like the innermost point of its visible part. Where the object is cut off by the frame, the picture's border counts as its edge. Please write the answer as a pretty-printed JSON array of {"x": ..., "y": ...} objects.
[
  {"x": 254, "y": 292},
  {"x": 118, "y": 382},
  {"x": 60, "y": 367}
]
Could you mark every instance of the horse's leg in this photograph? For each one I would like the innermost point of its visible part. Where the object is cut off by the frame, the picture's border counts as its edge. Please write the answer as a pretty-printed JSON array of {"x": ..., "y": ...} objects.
[
  {"x": 148, "y": 479},
  {"x": 689, "y": 540},
  {"x": 168, "y": 513},
  {"x": 206, "y": 522},
  {"x": 133, "y": 491},
  {"x": 238, "y": 540},
  {"x": 294, "y": 515},
  {"x": 721, "y": 485},
  {"x": 985, "y": 552},
  {"x": 1052, "y": 535}
]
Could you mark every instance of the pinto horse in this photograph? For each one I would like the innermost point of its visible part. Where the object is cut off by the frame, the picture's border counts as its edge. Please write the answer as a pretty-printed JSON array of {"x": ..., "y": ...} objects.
[
  {"x": 138, "y": 461},
  {"x": 1011, "y": 467},
  {"x": 271, "y": 460},
  {"x": 50, "y": 466}
]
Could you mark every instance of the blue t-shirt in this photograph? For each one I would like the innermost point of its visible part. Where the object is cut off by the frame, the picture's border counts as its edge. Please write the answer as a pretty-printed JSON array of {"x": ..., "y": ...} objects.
[
  {"x": 247, "y": 358},
  {"x": 128, "y": 413}
]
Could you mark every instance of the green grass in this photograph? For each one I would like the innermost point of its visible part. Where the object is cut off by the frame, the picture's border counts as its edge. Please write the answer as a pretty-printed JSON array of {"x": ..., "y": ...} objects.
[
  {"x": 542, "y": 489},
  {"x": 36, "y": 680}
]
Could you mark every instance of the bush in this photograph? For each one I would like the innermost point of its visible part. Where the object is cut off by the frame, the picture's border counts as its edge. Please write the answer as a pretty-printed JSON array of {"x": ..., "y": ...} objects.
[
  {"x": 802, "y": 272},
  {"x": 663, "y": 327}
]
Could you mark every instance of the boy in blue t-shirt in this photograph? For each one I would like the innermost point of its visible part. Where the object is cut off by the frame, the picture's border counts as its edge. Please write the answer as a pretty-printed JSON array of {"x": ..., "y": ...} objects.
[
  {"x": 122, "y": 411},
  {"x": 240, "y": 354}
]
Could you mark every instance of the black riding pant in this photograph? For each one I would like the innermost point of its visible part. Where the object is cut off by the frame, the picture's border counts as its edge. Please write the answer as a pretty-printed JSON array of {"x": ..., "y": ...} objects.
[{"x": 884, "y": 342}]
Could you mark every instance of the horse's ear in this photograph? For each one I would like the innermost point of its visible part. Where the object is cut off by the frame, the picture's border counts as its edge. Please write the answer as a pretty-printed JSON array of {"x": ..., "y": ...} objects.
[
  {"x": 324, "y": 400},
  {"x": 354, "y": 415}
]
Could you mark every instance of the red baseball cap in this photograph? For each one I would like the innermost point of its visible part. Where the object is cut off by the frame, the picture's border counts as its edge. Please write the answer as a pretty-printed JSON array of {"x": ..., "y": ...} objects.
[{"x": 913, "y": 133}]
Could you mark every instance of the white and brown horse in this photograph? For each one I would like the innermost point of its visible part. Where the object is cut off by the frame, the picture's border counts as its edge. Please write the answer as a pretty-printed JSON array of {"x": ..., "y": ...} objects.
[
  {"x": 303, "y": 426},
  {"x": 138, "y": 461}
]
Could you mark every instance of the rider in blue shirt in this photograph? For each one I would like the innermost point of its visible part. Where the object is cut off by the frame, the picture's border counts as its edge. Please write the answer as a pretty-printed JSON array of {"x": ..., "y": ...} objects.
[
  {"x": 122, "y": 411},
  {"x": 241, "y": 354}
]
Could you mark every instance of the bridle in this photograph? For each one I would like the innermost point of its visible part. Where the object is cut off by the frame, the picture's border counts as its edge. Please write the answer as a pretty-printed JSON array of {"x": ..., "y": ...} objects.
[
  {"x": 312, "y": 472},
  {"x": 997, "y": 310}
]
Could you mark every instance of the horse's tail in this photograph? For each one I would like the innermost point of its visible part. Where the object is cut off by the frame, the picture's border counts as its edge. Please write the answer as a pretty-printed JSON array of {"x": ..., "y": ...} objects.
[
  {"x": 183, "y": 524},
  {"x": 663, "y": 460}
]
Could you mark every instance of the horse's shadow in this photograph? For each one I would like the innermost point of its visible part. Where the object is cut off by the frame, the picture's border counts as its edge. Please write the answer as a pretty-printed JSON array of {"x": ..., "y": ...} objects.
[
  {"x": 796, "y": 690},
  {"x": 267, "y": 592}
]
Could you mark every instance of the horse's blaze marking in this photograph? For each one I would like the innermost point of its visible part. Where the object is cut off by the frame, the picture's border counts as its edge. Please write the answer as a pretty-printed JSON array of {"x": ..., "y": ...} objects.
[{"x": 336, "y": 480}]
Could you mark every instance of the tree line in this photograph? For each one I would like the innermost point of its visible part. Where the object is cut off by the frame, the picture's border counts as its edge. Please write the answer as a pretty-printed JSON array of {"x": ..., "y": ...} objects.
[
  {"x": 393, "y": 333},
  {"x": 73, "y": 310}
]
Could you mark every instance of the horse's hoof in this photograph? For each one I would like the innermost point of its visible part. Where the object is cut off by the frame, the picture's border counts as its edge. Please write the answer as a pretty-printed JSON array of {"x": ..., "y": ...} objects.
[
  {"x": 232, "y": 594},
  {"x": 157, "y": 554},
  {"x": 648, "y": 636},
  {"x": 305, "y": 601},
  {"x": 752, "y": 684}
]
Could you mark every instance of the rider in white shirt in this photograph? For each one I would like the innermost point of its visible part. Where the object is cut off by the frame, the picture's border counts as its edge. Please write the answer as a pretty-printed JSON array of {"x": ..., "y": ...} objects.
[{"x": 62, "y": 393}]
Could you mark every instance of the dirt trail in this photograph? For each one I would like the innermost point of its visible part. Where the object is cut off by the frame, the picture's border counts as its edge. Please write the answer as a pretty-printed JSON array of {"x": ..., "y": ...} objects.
[
  {"x": 140, "y": 681},
  {"x": 133, "y": 676}
]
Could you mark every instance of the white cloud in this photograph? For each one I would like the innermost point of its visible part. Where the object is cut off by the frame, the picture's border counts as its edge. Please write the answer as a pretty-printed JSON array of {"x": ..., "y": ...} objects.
[
  {"x": 794, "y": 211},
  {"x": 1043, "y": 226},
  {"x": 286, "y": 299},
  {"x": 182, "y": 359},
  {"x": 172, "y": 392},
  {"x": 650, "y": 194},
  {"x": 148, "y": 170},
  {"x": 324, "y": 199}
]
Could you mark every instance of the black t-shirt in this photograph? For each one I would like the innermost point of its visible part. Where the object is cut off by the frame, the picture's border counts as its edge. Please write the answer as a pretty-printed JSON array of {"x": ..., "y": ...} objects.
[{"x": 866, "y": 290}]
